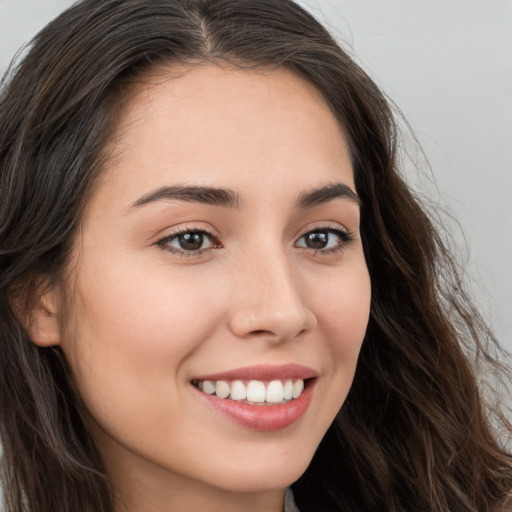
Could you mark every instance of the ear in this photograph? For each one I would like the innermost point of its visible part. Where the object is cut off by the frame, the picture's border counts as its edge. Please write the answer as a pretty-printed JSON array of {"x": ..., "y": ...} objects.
[{"x": 41, "y": 318}]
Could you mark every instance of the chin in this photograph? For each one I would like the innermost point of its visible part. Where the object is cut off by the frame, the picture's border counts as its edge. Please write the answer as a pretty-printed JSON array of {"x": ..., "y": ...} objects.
[{"x": 256, "y": 476}]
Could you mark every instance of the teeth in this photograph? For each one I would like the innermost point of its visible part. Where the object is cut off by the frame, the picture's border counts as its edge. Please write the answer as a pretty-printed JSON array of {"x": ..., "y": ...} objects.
[
  {"x": 222, "y": 389},
  {"x": 288, "y": 390},
  {"x": 238, "y": 390},
  {"x": 298, "y": 387},
  {"x": 275, "y": 392},
  {"x": 209, "y": 387},
  {"x": 256, "y": 391}
]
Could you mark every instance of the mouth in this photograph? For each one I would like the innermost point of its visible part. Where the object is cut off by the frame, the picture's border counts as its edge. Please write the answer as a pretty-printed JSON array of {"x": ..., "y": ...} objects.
[
  {"x": 264, "y": 398},
  {"x": 254, "y": 392}
]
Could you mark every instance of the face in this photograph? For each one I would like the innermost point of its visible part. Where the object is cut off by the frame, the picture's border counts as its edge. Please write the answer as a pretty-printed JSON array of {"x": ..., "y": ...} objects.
[{"x": 218, "y": 267}]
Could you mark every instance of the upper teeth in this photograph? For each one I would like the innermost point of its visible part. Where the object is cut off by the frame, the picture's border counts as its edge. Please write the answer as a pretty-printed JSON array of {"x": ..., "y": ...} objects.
[{"x": 255, "y": 391}]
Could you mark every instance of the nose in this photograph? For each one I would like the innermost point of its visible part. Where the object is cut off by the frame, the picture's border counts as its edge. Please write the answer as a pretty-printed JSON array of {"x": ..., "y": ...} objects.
[{"x": 269, "y": 301}]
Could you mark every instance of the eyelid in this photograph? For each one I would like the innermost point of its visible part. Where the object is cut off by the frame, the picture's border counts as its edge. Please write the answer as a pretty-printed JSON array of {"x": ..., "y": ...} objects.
[
  {"x": 344, "y": 235},
  {"x": 346, "y": 238},
  {"x": 324, "y": 226},
  {"x": 161, "y": 242}
]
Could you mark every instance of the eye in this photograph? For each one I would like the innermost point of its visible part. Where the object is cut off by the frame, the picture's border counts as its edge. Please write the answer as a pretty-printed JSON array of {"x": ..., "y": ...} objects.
[
  {"x": 324, "y": 239},
  {"x": 188, "y": 242}
]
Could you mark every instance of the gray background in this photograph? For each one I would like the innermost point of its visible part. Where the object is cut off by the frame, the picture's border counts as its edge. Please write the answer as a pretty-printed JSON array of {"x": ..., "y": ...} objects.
[{"x": 448, "y": 65}]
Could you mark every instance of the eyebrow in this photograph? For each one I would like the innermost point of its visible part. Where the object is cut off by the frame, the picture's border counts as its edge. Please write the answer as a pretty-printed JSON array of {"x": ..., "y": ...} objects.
[
  {"x": 325, "y": 194},
  {"x": 229, "y": 199},
  {"x": 192, "y": 194}
]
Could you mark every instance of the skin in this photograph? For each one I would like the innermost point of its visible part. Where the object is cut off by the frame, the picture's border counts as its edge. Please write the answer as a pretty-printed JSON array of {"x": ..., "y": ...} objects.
[{"x": 143, "y": 316}]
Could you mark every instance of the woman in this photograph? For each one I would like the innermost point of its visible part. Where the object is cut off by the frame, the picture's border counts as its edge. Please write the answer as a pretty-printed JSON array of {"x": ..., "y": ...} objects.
[{"x": 205, "y": 245}]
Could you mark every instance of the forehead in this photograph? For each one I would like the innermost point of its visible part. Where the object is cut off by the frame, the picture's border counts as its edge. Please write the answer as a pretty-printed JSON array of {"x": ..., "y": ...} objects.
[
  {"x": 209, "y": 123},
  {"x": 197, "y": 85}
]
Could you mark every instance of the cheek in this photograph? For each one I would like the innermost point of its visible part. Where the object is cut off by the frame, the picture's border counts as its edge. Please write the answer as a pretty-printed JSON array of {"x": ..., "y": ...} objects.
[
  {"x": 130, "y": 331},
  {"x": 343, "y": 309},
  {"x": 136, "y": 305}
]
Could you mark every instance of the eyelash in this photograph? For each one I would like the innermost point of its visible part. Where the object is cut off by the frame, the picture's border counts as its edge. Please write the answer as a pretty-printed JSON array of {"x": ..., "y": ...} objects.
[
  {"x": 183, "y": 252},
  {"x": 344, "y": 239}
]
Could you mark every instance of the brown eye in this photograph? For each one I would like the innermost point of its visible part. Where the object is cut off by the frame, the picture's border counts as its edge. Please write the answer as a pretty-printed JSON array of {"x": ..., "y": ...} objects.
[
  {"x": 326, "y": 240},
  {"x": 193, "y": 241},
  {"x": 318, "y": 240}
]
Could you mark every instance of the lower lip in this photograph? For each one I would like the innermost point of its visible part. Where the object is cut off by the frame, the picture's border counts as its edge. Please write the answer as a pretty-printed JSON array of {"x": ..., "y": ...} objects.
[{"x": 262, "y": 417}]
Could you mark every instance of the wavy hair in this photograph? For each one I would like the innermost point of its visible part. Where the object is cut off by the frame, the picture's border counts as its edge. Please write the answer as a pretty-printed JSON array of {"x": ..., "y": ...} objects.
[{"x": 414, "y": 433}]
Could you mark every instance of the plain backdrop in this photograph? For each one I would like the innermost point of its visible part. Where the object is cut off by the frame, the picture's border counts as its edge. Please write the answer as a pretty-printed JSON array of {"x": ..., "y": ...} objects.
[{"x": 447, "y": 64}]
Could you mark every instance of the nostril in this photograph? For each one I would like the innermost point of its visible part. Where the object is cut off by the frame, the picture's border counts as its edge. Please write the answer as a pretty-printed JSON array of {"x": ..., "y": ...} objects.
[{"x": 260, "y": 332}]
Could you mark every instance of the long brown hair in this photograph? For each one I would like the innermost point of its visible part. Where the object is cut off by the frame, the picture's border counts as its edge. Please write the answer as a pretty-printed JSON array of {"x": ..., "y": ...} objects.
[{"x": 414, "y": 432}]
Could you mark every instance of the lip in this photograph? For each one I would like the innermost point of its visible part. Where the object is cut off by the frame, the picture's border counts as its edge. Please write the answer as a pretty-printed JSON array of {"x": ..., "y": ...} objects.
[
  {"x": 264, "y": 418},
  {"x": 264, "y": 373}
]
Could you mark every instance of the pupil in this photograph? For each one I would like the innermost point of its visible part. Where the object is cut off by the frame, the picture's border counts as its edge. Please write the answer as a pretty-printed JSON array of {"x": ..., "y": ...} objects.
[
  {"x": 191, "y": 241},
  {"x": 317, "y": 240}
]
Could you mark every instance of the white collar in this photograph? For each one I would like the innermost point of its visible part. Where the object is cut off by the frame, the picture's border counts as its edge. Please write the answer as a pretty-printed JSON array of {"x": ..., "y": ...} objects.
[{"x": 289, "y": 503}]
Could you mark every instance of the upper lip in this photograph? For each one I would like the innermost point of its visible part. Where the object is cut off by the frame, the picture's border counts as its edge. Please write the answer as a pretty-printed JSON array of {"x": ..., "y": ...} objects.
[{"x": 263, "y": 372}]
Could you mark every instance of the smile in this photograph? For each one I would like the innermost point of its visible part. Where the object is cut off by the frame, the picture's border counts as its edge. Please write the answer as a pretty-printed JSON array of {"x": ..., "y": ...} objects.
[
  {"x": 253, "y": 392},
  {"x": 262, "y": 397}
]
